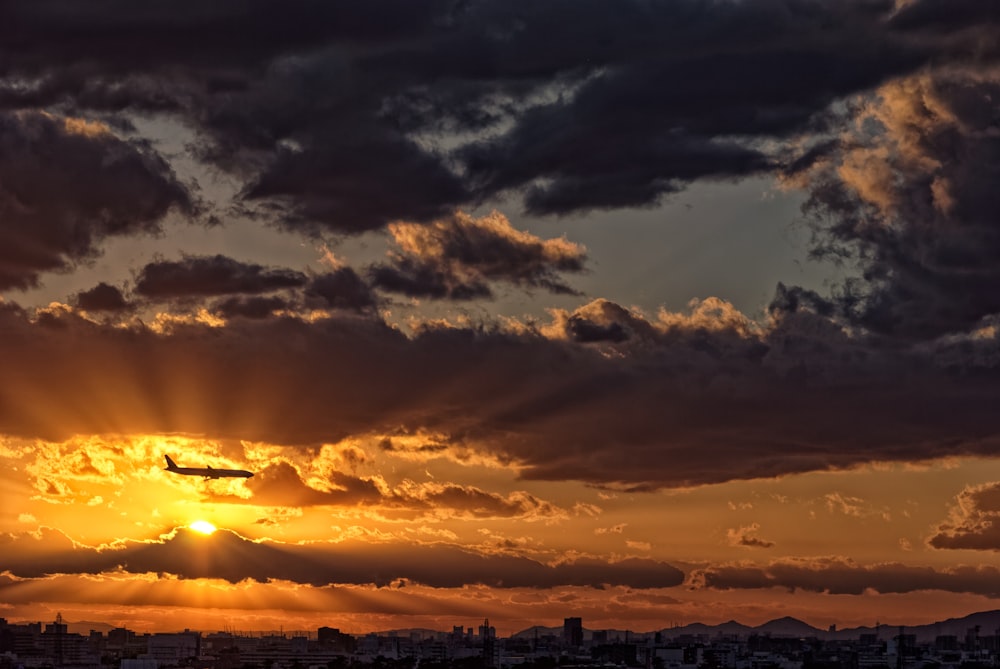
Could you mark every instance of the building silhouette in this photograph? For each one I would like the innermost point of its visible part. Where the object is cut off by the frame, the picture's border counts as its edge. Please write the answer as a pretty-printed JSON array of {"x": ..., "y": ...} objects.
[{"x": 573, "y": 632}]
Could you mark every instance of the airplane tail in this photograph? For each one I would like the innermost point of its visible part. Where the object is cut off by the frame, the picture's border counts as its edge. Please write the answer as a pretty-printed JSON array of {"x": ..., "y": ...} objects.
[{"x": 171, "y": 465}]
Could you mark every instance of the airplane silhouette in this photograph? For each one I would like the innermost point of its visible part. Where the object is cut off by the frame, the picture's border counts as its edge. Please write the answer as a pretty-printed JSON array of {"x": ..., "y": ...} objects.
[{"x": 207, "y": 472}]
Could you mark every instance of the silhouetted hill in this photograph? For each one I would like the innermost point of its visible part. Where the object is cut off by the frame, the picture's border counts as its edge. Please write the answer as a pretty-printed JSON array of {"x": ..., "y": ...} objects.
[
  {"x": 538, "y": 630},
  {"x": 788, "y": 626},
  {"x": 729, "y": 627},
  {"x": 988, "y": 622}
]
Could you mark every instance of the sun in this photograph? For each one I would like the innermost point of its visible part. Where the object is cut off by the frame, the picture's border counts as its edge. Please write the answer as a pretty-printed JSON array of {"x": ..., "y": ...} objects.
[{"x": 202, "y": 526}]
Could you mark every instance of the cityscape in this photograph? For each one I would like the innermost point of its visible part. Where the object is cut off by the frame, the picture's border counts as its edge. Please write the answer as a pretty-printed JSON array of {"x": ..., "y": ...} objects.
[{"x": 779, "y": 644}]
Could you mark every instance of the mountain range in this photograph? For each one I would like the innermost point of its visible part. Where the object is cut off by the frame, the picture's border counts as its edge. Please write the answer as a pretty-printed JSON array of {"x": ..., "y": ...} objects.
[{"x": 988, "y": 623}]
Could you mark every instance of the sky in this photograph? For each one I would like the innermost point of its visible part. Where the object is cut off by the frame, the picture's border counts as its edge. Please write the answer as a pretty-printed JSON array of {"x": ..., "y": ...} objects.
[{"x": 643, "y": 311}]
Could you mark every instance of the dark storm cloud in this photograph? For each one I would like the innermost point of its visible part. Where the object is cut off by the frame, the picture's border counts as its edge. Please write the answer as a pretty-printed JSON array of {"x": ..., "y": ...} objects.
[
  {"x": 459, "y": 256},
  {"x": 282, "y": 485},
  {"x": 912, "y": 199},
  {"x": 344, "y": 184},
  {"x": 671, "y": 92},
  {"x": 102, "y": 297},
  {"x": 251, "y": 307},
  {"x": 947, "y": 15},
  {"x": 975, "y": 522},
  {"x": 196, "y": 276},
  {"x": 345, "y": 116},
  {"x": 226, "y": 555},
  {"x": 409, "y": 277},
  {"x": 66, "y": 185},
  {"x": 839, "y": 576},
  {"x": 341, "y": 289},
  {"x": 120, "y": 36},
  {"x": 695, "y": 398}
]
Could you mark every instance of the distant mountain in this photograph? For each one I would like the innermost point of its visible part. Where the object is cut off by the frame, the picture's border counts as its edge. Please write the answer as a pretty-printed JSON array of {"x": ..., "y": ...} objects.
[
  {"x": 788, "y": 626},
  {"x": 538, "y": 630},
  {"x": 988, "y": 622},
  {"x": 729, "y": 627}
]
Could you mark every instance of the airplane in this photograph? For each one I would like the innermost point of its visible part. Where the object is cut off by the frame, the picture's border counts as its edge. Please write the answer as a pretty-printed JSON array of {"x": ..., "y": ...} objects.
[{"x": 207, "y": 472}]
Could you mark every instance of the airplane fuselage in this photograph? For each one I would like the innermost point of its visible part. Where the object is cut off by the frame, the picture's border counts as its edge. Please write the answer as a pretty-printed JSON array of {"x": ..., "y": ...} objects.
[{"x": 206, "y": 472}]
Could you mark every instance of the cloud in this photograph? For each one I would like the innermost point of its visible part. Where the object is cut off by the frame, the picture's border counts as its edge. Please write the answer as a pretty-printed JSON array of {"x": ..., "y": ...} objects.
[
  {"x": 281, "y": 485},
  {"x": 68, "y": 184},
  {"x": 691, "y": 398},
  {"x": 345, "y": 118},
  {"x": 341, "y": 184},
  {"x": 840, "y": 576},
  {"x": 614, "y": 529},
  {"x": 744, "y": 536},
  {"x": 601, "y": 320},
  {"x": 102, "y": 297},
  {"x": 197, "y": 276},
  {"x": 251, "y": 307},
  {"x": 908, "y": 196},
  {"x": 941, "y": 16},
  {"x": 643, "y": 126},
  {"x": 974, "y": 523},
  {"x": 341, "y": 289},
  {"x": 228, "y": 556},
  {"x": 459, "y": 256}
]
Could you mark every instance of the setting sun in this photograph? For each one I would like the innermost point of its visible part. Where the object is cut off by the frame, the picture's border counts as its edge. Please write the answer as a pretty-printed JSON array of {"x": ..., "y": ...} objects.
[{"x": 202, "y": 526}]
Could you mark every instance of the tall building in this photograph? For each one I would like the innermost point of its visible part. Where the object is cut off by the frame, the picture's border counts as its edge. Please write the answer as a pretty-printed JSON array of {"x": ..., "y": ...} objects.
[
  {"x": 488, "y": 635},
  {"x": 573, "y": 631}
]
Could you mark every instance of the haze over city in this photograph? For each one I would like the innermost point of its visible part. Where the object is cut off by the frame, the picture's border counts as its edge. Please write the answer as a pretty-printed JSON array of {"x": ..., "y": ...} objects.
[{"x": 642, "y": 311}]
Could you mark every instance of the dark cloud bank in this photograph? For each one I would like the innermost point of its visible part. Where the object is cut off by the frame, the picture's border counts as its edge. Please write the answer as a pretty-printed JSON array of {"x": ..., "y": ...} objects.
[
  {"x": 346, "y": 117},
  {"x": 704, "y": 398},
  {"x": 226, "y": 555}
]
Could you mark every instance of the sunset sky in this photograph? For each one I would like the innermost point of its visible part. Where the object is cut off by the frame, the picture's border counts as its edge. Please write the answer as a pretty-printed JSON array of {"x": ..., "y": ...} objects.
[{"x": 643, "y": 311}]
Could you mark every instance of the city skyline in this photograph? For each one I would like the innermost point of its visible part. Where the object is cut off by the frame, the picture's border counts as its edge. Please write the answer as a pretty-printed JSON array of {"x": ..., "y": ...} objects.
[
  {"x": 984, "y": 624},
  {"x": 785, "y": 642},
  {"x": 786, "y": 627},
  {"x": 631, "y": 310}
]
